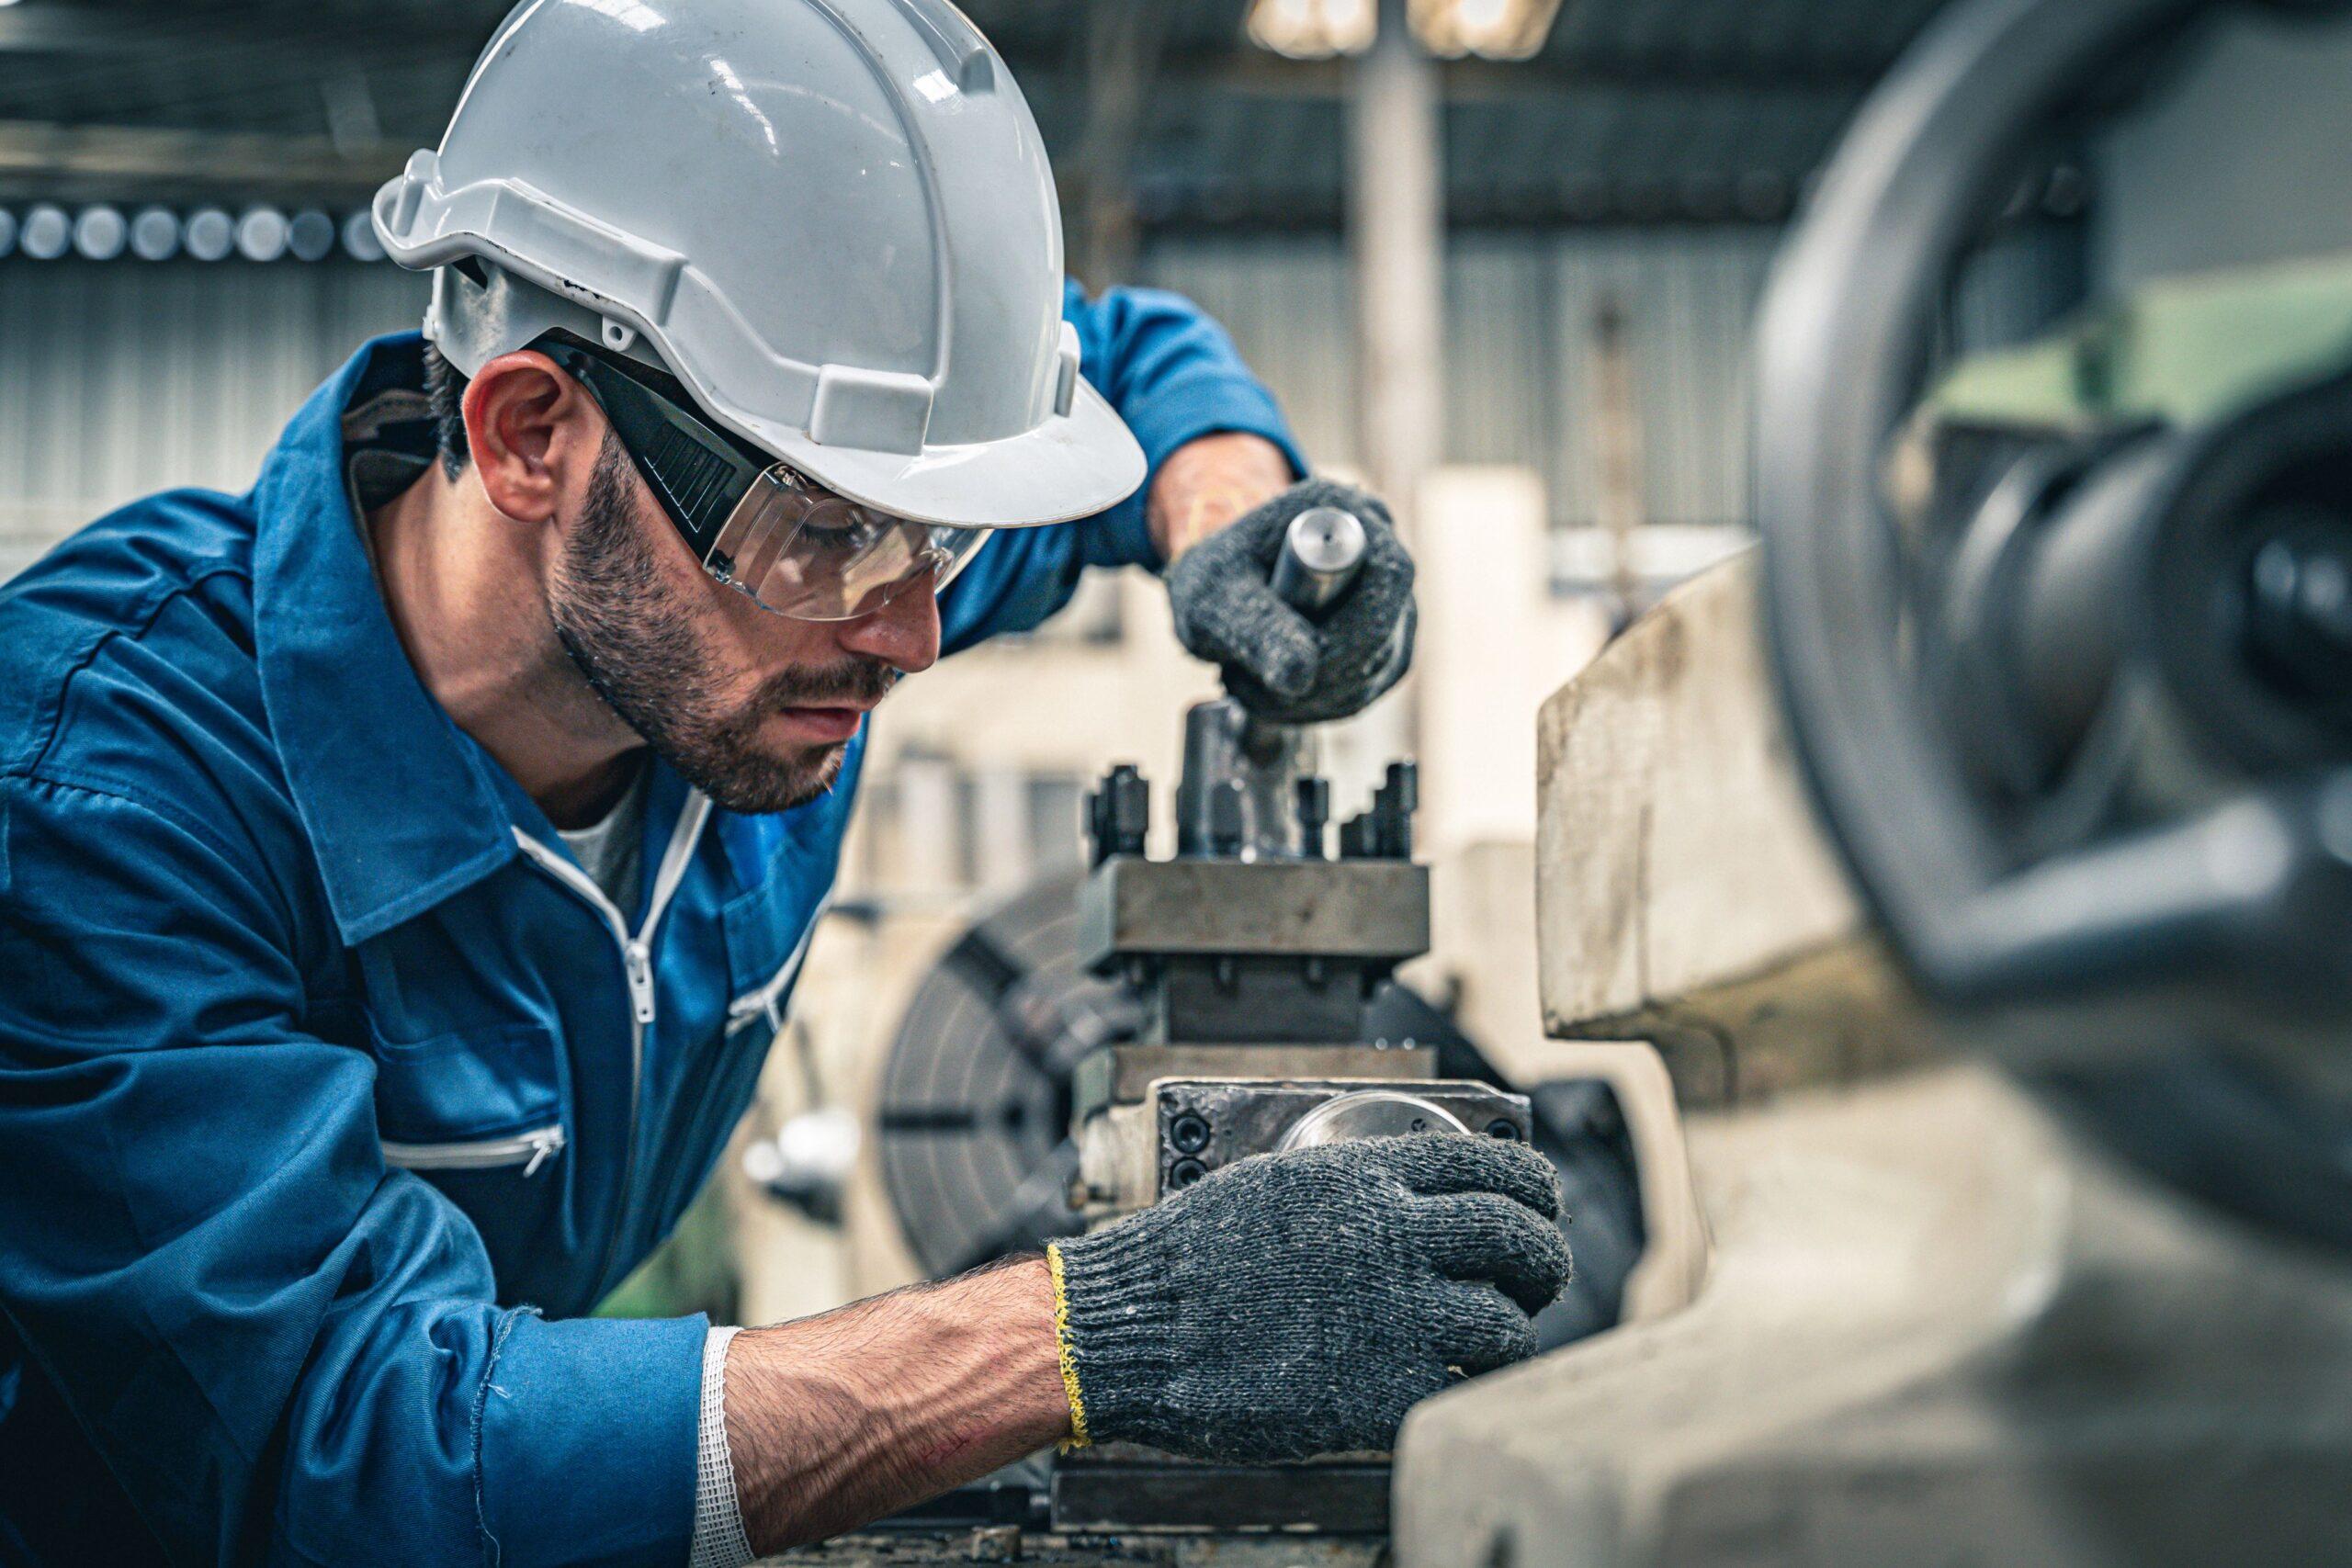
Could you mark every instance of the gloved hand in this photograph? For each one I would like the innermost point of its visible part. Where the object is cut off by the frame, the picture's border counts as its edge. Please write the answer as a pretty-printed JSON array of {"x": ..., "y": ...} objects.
[
  {"x": 1301, "y": 1302},
  {"x": 1284, "y": 666}
]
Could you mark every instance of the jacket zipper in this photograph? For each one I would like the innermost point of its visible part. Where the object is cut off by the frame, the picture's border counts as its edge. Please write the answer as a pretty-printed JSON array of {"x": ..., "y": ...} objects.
[
  {"x": 636, "y": 965},
  {"x": 532, "y": 1149}
]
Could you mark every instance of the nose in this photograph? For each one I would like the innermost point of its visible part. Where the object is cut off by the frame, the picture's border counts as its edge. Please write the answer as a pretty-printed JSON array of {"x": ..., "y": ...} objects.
[{"x": 903, "y": 634}]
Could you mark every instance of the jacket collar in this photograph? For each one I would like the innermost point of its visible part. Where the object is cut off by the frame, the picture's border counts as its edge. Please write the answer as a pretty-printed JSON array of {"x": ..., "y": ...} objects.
[{"x": 403, "y": 809}]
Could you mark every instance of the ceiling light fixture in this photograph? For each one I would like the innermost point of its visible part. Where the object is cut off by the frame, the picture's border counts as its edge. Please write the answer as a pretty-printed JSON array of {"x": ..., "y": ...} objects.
[
  {"x": 100, "y": 234},
  {"x": 155, "y": 234},
  {"x": 309, "y": 236},
  {"x": 1313, "y": 30},
  {"x": 210, "y": 234},
  {"x": 1492, "y": 30},
  {"x": 359, "y": 241},
  {"x": 46, "y": 233},
  {"x": 261, "y": 234}
]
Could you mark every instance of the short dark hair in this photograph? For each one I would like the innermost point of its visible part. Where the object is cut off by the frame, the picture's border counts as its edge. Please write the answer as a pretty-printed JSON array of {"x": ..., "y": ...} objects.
[{"x": 444, "y": 390}]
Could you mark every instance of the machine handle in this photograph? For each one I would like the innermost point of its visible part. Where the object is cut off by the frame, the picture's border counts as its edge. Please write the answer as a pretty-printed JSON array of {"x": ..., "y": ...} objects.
[
  {"x": 1322, "y": 551},
  {"x": 1239, "y": 793}
]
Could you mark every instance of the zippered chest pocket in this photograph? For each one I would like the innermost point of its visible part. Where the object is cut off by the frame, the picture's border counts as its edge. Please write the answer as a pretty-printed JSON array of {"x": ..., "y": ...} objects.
[
  {"x": 470, "y": 1099},
  {"x": 767, "y": 940}
]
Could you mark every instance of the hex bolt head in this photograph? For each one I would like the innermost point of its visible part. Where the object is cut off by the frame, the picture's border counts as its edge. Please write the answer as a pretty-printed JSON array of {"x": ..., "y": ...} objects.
[{"x": 1189, "y": 1133}]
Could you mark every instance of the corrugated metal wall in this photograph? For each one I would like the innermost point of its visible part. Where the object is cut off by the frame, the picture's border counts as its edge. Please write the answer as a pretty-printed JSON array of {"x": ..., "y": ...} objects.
[
  {"x": 1521, "y": 330},
  {"x": 127, "y": 377},
  {"x": 123, "y": 379}
]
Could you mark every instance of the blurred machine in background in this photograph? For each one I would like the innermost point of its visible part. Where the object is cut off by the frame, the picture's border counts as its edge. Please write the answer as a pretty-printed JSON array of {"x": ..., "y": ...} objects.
[{"x": 2040, "y": 750}]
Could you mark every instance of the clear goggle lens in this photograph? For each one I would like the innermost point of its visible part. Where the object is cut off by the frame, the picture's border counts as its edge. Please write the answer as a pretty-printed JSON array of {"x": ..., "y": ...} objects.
[{"x": 808, "y": 554}]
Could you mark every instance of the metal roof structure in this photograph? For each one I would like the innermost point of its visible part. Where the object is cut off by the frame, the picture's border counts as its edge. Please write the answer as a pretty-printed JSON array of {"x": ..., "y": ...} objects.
[{"x": 1636, "y": 110}]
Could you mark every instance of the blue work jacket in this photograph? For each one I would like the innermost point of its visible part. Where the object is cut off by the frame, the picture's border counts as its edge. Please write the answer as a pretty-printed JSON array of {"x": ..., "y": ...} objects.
[{"x": 332, "y": 1092}]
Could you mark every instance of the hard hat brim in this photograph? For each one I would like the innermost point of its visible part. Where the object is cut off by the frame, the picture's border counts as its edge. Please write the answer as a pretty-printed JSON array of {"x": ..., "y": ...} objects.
[{"x": 1071, "y": 467}]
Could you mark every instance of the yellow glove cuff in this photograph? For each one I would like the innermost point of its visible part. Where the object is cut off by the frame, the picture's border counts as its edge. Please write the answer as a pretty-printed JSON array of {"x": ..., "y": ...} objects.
[{"x": 1078, "y": 1435}]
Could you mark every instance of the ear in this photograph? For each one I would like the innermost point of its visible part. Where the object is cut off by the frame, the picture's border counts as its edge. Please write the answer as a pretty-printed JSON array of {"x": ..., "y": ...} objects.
[{"x": 533, "y": 435}]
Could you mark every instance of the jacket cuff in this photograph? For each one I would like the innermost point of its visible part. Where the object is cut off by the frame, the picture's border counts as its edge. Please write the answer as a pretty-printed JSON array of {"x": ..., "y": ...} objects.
[
  {"x": 1181, "y": 411},
  {"x": 584, "y": 1440}
]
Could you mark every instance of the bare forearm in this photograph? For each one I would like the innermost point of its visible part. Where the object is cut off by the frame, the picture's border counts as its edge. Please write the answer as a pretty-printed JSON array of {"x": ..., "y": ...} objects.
[
  {"x": 1207, "y": 483},
  {"x": 837, "y": 1420}
]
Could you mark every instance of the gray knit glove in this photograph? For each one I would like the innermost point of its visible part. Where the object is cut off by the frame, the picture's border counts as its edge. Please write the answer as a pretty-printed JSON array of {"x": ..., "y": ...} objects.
[
  {"x": 1300, "y": 1303},
  {"x": 1284, "y": 666}
]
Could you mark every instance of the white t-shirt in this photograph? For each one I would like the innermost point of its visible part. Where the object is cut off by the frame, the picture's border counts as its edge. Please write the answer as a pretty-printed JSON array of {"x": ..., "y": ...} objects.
[{"x": 612, "y": 852}]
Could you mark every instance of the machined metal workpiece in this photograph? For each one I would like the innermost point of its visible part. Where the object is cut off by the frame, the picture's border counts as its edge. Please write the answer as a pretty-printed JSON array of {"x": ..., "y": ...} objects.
[
  {"x": 1377, "y": 1114},
  {"x": 1133, "y": 1153},
  {"x": 1204, "y": 1124},
  {"x": 1122, "y": 1158}
]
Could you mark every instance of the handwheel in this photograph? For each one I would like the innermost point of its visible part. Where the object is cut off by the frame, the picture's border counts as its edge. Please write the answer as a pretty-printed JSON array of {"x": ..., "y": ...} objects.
[{"x": 2086, "y": 757}]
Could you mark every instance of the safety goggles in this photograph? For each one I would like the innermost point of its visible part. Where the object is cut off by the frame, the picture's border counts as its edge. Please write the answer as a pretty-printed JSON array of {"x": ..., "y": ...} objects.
[{"x": 756, "y": 525}]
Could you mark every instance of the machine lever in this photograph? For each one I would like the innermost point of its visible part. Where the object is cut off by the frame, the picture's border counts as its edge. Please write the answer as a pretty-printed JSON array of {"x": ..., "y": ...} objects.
[{"x": 1239, "y": 797}]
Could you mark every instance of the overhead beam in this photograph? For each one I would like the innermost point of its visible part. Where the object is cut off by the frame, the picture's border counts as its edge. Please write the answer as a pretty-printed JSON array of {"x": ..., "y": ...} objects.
[
  {"x": 132, "y": 162},
  {"x": 1255, "y": 71},
  {"x": 115, "y": 32},
  {"x": 305, "y": 45},
  {"x": 1725, "y": 52},
  {"x": 117, "y": 162}
]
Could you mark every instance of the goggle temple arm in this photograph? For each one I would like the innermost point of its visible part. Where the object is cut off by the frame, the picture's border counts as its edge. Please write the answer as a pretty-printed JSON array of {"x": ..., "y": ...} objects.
[{"x": 694, "y": 471}]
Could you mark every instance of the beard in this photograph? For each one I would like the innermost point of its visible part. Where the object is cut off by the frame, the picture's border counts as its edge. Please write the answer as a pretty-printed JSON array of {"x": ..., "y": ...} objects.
[{"x": 639, "y": 646}]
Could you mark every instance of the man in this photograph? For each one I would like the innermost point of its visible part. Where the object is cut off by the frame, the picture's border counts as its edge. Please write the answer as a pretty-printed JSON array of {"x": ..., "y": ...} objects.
[{"x": 394, "y": 861}]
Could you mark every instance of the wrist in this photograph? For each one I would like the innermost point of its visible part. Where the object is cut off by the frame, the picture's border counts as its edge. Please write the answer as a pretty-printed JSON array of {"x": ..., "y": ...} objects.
[
  {"x": 836, "y": 1420},
  {"x": 1208, "y": 482},
  {"x": 1026, "y": 1297}
]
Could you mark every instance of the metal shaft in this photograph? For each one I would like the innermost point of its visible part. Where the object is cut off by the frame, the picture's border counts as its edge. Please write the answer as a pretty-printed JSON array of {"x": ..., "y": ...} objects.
[{"x": 1321, "y": 553}]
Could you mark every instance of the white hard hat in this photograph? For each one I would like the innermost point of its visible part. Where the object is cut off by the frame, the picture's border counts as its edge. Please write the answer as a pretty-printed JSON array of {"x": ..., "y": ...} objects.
[{"x": 832, "y": 219}]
